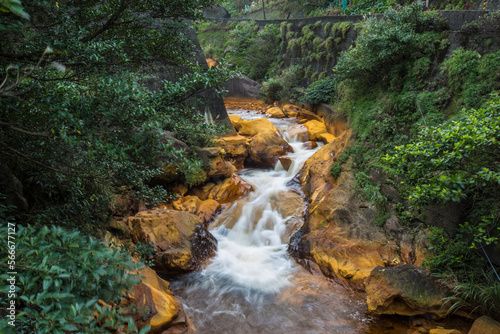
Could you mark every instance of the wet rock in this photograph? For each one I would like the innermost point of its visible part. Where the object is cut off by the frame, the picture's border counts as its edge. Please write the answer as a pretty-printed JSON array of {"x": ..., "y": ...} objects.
[
  {"x": 338, "y": 234},
  {"x": 306, "y": 114},
  {"x": 302, "y": 121},
  {"x": 405, "y": 290},
  {"x": 444, "y": 331},
  {"x": 228, "y": 190},
  {"x": 181, "y": 240},
  {"x": 236, "y": 120},
  {"x": 275, "y": 112},
  {"x": 310, "y": 145},
  {"x": 236, "y": 149},
  {"x": 288, "y": 204},
  {"x": 212, "y": 158},
  {"x": 326, "y": 137},
  {"x": 286, "y": 162},
  {"x": 290, "y": 110},
  {"x": 155, "y": 305},
  {"x": 254, "y": 127},
  {"x": 299, "y": 131},
  {"x": 315, "y": 129},
  {"x": 205, "y": 210},
  {"x": 265, "y": 149},
  {"x": 485, "y": 325}
]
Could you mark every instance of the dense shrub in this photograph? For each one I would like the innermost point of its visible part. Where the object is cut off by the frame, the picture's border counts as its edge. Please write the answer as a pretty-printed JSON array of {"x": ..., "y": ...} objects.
[
  {"x": 385, "y": 47},
  {"x": 62, "y": 276},
  {"x": 320, "y": 91},
  {"x": 283, "y": 86}
]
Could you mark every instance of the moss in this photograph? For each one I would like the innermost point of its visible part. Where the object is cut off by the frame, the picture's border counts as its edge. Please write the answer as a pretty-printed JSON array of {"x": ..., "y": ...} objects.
[
  {"x": 314, "y": 76},
  {"x": 289, "y": 35},
  {"x": 358, "y": 26},
  {"x": 344, "y": 27},
  {"x": 323, "y": 75},
  {"x": 335, "y": 28},
  {"x": 308, "y": 72},
  {"x": 318, "y": 25},
  {"x": 327, "y": 29},
  {"x": 338, "y": 40},
  {"x": 329, "y": 43}
]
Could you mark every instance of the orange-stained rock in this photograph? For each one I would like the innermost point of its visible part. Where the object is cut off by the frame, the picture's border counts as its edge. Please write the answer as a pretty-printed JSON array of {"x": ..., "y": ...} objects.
[
  {"x": 181, "y": 189},
  {"x": 444, "y": 331},
  {"x": 266, "y": 148},
  {"x": 181, "y": 240},
  {"x": 315, "y": 129},
  {"x": 326, "y": 137},
  {"x": 302, "y": 121},
  {"x": 405, "y": 290},
  {"x": 286, "y": 162},
  {"x": 310, "y": 145},
  {"x": 290, "y": 110},
  {"x": 306, "y": 114},
  {"x": 155, "y": 305},
  {"x": 275, "y": 112},
  {"x": 485, "y": 325},
  {"x": 256, "y": 126},
  {"x": 125, "y": 205},
  {"x": 235, "y": 148},
  {"x": 299, "y": 131},
  {"x": 339, "y": 234},
  {"x": 236, "y": 120},
  {"x": 192, "y": 204},
  {"x": 229, "y": 189}
]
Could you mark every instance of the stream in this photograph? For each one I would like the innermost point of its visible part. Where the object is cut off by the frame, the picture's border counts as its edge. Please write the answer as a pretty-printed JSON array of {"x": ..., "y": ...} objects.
[{"x": 252, "y": 285}]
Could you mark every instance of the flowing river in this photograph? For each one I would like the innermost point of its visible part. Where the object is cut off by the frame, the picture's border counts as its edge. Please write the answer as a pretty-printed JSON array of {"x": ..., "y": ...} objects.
[{"x": 252, "y": 285}]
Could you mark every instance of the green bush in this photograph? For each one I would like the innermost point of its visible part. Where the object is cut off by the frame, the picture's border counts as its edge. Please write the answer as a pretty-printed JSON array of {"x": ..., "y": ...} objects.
[
  {"x": 61, "y": 277},
  {"x": 472, "y": 76},
  {"x": 283, "y": 86},
  {"x": 385, "y": 46},
  {"x": 320, "y": 91}
]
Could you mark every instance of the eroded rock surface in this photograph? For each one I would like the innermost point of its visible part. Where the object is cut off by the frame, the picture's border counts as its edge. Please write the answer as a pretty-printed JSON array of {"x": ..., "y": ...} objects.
[
  {"x": 265, "y": 149},
  {"x": 181, "y": 240},
  {"x": 156, "y": 306},
  {"x": 405, "y": 290}
]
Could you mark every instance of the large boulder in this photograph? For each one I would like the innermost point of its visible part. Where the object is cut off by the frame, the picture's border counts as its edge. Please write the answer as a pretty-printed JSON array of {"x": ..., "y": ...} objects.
[
  {"x": 275, "y": 112},
  {"x": 405, "y": 290},
  {"x": 338, "y": 234},
  {"x": 181, "y": 240},
  {"x": 256, "y": 126},
  {"x": 315, "y": 129},
  {"x": 217, "y": 166},
  {"x": 243, "y": 87},
  {"x": 290, "y": 110},
  {"x": 228, "y": 190},
  {"x": 265, "y": 149},
  {"x": 235, "y": 148},
  {"x": 155, "y": 305},
  {"x": 308, "y": 115},
  {"x": 205, "y": 210},
  {"x": 236, "y": 120},
  {"x": 485, "y": 325}
]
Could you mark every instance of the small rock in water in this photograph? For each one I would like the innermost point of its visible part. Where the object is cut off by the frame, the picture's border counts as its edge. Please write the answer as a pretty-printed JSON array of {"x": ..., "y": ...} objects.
[{"x": 310, "y": 145}]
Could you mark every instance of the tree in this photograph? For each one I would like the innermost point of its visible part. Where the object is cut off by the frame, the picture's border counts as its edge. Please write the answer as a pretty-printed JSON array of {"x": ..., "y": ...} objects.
[{"x": 78, "y": 124}]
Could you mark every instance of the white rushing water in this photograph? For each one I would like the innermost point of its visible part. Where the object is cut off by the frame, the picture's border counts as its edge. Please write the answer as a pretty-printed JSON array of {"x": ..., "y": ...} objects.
[
  {"x": 252, "y": 285},
  {"x": 251, "y": 254}
]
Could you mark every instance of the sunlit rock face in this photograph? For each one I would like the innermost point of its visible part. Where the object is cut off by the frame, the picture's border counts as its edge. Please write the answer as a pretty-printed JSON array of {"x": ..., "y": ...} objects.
[
  {"x": 181, "y": 240},
  {"x": 405, "y": 290}
]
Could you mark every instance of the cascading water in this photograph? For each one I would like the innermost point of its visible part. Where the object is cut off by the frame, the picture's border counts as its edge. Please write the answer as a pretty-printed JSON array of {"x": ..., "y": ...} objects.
[{"x": 252, "y": 286}]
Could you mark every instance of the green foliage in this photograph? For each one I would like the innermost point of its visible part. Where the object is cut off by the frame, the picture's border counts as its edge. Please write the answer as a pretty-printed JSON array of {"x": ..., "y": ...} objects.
[
  {"x": 320, "y": 91},
  {"x": 472, "y": 76},
  {"x": 253, "y": 51},
  {"x": 359, "y": 7},
  {"x": 78, "y": 125},
  {"x": 283, "y": 86},
  {"x": 62, "y": 276},
  {"x": 386, "y": 46},
  {"x": 336, "y": 167}
]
